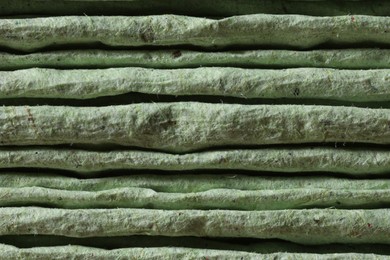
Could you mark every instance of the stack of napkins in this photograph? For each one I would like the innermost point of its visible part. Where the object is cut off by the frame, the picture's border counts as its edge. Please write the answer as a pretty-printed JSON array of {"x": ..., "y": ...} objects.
[{"x": 194, "y": 129}]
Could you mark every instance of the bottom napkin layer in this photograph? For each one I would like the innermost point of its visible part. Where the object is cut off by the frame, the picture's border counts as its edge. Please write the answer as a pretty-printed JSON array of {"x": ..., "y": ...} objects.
[
  {"x": 260, "y": 246},
  {"x": 79, "y": 252}
]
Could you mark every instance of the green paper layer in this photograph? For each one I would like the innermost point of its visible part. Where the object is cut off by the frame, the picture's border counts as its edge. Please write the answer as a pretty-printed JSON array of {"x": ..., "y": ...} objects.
[
  {"x": 180, "y": 58},
  {"x": 303, "y": 83},
  {"x": 189, "y": 183},
  {"x": 72, "y": 251},
  {"x": 260, "y": 30},
  {"x": 288, "y": 159},
  {"x": 189, "y": 126},
  {"x": 228, "y": 199},
  {"x": 321, "y": 226}
]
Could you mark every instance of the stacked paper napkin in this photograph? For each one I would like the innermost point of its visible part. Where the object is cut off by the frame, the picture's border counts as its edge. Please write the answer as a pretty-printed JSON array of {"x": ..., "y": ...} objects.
[{"x": 194, "y": 129}]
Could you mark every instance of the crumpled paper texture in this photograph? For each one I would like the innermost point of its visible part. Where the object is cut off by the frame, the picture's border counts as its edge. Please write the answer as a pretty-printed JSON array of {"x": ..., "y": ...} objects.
[
  {"x": 320, "y": 226},
  {"x": 189, "y": 126},
  {"x": 354, "y": 162},
  {"x": 171, "y": 253},
  {"x": 299, "y": 83},
  {"x": 194, "y": 180},
  {"x": 182, "y": 58},
  {"x": 260, "y": 30}
]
